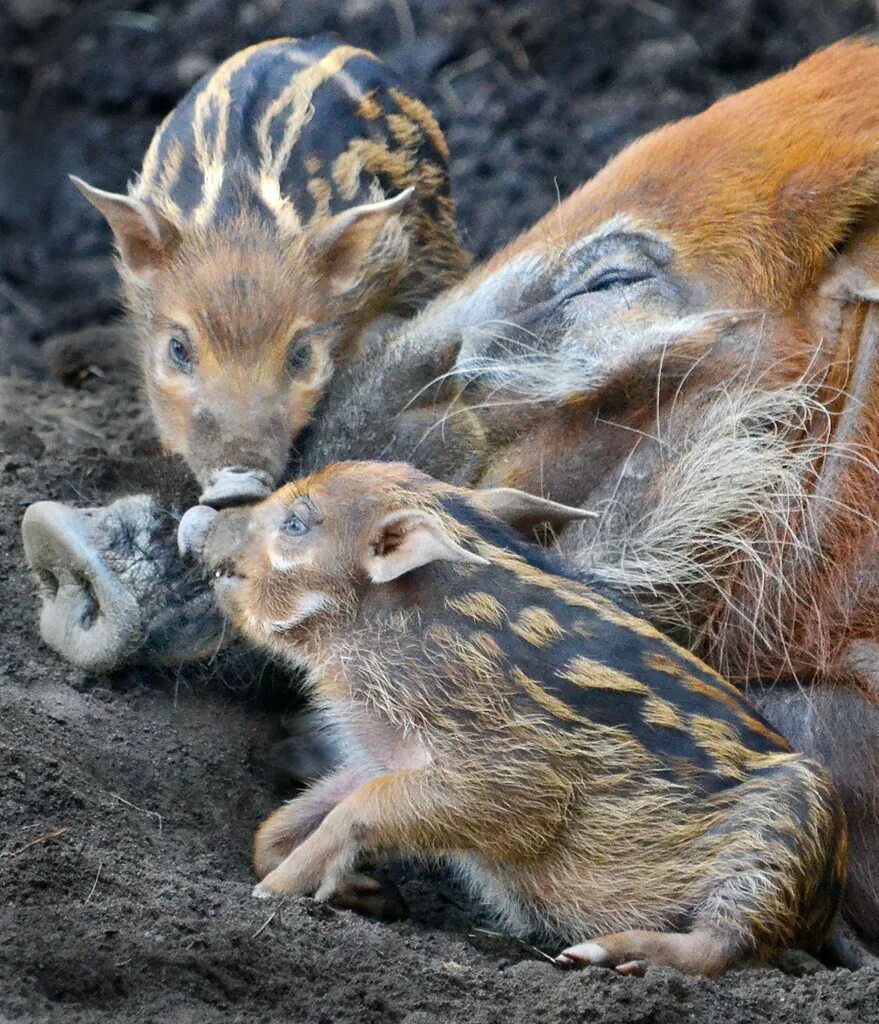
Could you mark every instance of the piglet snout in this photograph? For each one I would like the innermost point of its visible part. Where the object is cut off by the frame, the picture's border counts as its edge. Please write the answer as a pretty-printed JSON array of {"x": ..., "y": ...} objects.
[
  {"x": 211, "y": 538},
  {"x": 192, "y": 533},
  {"x": 236, "y": 485}
]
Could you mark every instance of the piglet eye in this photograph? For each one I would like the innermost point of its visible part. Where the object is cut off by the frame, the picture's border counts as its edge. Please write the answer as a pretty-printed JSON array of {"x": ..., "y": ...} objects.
[
  {"x": 298, "y": 356},
  {"x": 294, "y": 524},
  {"x": 180, "y": 353}
]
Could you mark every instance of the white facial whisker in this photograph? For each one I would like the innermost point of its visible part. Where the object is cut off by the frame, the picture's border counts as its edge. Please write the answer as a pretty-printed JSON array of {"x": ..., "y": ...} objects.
[
  {"x": 287, "y": 563},
  {"x": 304, "y": 608}
]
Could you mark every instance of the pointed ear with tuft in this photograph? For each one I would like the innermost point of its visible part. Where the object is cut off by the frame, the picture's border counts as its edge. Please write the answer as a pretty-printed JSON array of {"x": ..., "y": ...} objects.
[
  {"x": 145, "y": 238},
  {"x": 344, "y": 243},
  {"x": 409, "y": 539},
  {"x": 853, "y": 274},
  {"x": 525, "y": 512}
]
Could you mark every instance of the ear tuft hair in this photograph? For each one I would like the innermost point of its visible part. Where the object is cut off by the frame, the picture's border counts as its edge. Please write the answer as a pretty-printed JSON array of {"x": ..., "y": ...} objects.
[
  {"x": 344, "y": 244},
  {"x": 525, "y": 512}
]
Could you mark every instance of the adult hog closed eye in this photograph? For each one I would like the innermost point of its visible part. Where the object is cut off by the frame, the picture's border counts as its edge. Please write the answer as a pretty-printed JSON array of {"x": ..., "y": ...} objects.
[{"x": 687, "y": 345}]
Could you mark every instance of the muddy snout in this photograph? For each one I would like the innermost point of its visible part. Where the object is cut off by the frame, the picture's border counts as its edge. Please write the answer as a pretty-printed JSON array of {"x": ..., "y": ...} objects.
[
  {"x": 236, "y": 485},
  {"x": 114, "y": 589},
  {"x": 212, "y": 539},
  {"x": 192, "y": 533},
  {"x": 87, "y": 616}
]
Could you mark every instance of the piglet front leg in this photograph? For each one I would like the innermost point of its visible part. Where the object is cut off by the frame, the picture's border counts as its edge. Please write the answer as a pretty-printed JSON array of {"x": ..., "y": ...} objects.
[
  {"x": 419, "y": 811},
  {"x": 291, "y": 826},
  {"x": 294, "y": 822},
  {"x": 380, "y": 813},
  {"x": 318, "y": 866}
]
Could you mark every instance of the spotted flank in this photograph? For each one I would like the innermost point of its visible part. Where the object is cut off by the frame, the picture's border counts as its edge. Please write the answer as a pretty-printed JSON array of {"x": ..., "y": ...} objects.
[
  {"x": 294, "y": 130},
  {"x": 537, "y": 627},
  {"x": 478, "y": 607}
]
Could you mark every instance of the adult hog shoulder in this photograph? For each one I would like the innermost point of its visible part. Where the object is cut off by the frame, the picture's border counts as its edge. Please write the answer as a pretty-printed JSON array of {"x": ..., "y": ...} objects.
[
  {"x": 589, "y": 778},
  {"x": 291, "y": 197}
]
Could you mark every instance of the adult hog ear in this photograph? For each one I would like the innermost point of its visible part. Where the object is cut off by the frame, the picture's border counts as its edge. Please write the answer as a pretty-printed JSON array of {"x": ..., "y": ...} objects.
[
  {"x": 853, "y": 272},
  {"x": 345, "y": 243},
  {"x": 407, "y": 540},
  {"x": 145, "y": 238},
  {"x": 527, "y": 512}
]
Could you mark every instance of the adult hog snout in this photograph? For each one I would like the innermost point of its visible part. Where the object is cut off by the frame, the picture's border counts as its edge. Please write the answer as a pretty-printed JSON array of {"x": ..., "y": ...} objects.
[
  {"x": 113, "y": 589},
  {"x": 86, "y": 615}
]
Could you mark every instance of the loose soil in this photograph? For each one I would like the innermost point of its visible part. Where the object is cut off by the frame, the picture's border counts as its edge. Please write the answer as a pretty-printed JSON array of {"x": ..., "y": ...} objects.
[{"x": 128, "y": 803}]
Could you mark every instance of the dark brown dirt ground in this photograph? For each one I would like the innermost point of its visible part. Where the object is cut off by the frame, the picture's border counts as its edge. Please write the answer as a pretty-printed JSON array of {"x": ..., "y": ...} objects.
[{"x": 127, "y": 803}]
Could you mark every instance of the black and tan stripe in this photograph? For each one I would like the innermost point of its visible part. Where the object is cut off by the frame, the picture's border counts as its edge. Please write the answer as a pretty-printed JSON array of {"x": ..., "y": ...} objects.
[{"x": 293, "y": 130}]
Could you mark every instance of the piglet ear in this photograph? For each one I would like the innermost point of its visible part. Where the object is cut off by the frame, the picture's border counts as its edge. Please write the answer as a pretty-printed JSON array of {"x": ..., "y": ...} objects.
[
  {"x": 344, "y": 244},
  {"x": 525, "y": 511},
  {"x": 408, "y": 540},
  {"x": 144, "y": 237}
]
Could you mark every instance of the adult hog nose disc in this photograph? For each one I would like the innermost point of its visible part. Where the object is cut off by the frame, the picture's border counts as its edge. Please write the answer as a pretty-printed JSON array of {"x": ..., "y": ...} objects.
[
  {"x": 87, "y": 616},
  {"x": 235, "y": 486},
  {"x": 193, "y": 530}
]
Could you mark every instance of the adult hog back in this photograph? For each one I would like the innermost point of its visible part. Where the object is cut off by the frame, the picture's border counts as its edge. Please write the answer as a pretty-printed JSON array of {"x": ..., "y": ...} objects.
[
  {"x": 292, "y": 196},
  {"x": 586, "y": 775}
]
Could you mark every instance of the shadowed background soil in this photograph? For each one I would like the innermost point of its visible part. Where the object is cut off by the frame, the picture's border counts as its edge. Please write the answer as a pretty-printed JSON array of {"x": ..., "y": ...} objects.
[{"x": 127, "y": 803}]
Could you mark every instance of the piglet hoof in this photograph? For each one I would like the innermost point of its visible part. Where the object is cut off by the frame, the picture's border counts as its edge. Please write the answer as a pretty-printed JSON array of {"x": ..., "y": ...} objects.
[
  {"x": 97, "y": 349},
  {"x": 593, "y": 954},
  {"x": 632, "y": 969},
  {"x": 259, "y": 893},
  {"x": 701, "y": 951},
  {"x": 584, "y": 954},
  {"x": 370, "y": 897}
]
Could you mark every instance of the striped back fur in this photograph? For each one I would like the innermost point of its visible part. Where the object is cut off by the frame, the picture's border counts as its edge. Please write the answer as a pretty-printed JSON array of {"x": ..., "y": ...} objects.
[{"x": 291, "y": 197}]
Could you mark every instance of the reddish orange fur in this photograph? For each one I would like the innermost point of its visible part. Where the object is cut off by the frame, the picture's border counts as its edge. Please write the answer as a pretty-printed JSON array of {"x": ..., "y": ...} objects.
[
  {"x": 769, "y": 199},
  {"x": 769, "y": 202},
  {"x": 241, "y": 306},
  {"x": 758, "y": 189}
]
